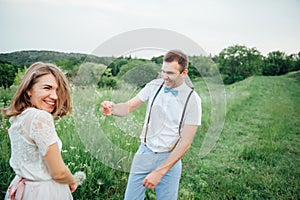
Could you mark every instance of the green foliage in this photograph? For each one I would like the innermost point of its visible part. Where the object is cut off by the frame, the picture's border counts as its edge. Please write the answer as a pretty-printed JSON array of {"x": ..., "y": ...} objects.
[
  {"x": 138, "y": 72},
  {"x": 89, "y": 74},
  {"x": 297, "y": 65},
  {"x": 6, "y": 95},
  {"x": 158, "y": 60},
  {"x": 239, "y": 62},
  {"x": 19, "y": 75},
  {"x": 7, "y": 74},
  {"x": 202, "y": 66},
  {"x": 235, "y": 63},
  {"x": 297, "y": 62},
  {"x": 107, "y": 80},
  {"x": 26, "y": 58},
  {"x": 70, "y": 66},
  {"x": 278, "y": 63},
  {"x": 116, "y": 65},
  {"x": 270, "y": 69}
]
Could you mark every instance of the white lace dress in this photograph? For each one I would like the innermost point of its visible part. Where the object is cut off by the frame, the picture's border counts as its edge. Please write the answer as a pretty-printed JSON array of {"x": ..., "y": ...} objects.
[{"x": 31, "y": 133}]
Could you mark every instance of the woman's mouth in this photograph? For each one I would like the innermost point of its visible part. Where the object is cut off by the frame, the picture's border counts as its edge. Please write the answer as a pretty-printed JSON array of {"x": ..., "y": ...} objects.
[{"x": 52, "y": 103}]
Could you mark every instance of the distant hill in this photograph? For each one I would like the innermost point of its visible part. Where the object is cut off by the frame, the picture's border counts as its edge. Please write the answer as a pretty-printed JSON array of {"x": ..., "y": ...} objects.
[{"x": 26, "y": 58}]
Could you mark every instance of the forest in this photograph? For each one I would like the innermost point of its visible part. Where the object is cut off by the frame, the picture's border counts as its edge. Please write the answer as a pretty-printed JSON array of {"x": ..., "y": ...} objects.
[{"x": 234, "y": 63}]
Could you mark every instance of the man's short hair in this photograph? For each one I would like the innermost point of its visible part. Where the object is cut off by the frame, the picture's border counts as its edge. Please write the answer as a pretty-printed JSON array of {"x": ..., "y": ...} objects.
[{"x": 179, "y": 56}]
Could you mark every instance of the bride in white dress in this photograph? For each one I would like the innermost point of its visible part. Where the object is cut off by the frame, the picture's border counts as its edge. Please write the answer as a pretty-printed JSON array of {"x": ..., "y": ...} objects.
[{"x": 43, "y": 94}]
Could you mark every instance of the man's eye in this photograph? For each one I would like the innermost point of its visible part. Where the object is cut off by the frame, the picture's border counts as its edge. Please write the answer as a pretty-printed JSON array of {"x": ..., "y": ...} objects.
[{"x": 168, "y": 73}]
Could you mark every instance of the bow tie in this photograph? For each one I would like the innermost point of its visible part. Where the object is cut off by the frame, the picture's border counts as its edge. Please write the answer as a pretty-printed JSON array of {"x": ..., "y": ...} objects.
[{"x": 173, "y": 91}]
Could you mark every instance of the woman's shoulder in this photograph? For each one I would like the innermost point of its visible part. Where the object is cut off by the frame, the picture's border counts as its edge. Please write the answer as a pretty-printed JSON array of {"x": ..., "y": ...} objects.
[
  {"x": 35, "y": 110},
  {"x": 36, "y": 113}
]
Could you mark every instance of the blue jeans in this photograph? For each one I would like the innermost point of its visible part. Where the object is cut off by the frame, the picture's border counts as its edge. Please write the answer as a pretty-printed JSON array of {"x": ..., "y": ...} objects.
[{"x": 144, "y": 162}]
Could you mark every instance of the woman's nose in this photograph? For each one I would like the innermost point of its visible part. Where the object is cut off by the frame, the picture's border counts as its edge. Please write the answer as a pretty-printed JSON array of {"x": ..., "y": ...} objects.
[{"x": 53, "y": 94}]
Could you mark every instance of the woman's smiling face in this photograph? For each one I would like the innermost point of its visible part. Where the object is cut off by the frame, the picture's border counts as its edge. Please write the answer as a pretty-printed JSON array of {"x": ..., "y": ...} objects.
[{"x": 43, "y": 93}]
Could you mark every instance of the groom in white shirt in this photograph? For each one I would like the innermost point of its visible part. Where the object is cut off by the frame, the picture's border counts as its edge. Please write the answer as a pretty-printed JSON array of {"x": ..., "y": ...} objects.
[{"x": 172, "y": 118}]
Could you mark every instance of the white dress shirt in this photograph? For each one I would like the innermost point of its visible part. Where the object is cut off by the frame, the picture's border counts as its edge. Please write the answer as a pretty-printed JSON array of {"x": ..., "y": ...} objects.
[{"x": 166, "y": 114}]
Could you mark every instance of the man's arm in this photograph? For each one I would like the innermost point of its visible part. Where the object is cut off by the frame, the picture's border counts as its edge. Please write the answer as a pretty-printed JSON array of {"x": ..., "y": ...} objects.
[
  {"x": 181, "y": 148},
  {"x": 121, "y": 109}
]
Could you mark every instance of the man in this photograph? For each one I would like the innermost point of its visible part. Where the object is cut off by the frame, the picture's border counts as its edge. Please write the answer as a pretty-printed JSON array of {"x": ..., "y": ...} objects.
[{"x": 172, "y": 117}]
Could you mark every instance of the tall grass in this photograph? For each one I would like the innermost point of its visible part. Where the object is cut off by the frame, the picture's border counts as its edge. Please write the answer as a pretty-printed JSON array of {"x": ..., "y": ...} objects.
[{"x": 256, "y": 157}]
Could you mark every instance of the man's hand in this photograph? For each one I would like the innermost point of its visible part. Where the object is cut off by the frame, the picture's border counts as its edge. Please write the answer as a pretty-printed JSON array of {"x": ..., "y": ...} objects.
[
  {"x": 152, "y": 179},
  {"x": 106, "y": 108}
]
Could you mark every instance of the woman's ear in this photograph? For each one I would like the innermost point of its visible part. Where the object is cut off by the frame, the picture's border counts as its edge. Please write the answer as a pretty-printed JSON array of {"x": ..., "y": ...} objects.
[{"x": 28, "y": 93}]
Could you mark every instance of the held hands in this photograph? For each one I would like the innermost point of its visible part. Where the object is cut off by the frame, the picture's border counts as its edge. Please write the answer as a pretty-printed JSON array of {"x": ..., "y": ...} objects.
[
  {"x": 106, "y": 108},
  {"x": 152, "y": 179}
]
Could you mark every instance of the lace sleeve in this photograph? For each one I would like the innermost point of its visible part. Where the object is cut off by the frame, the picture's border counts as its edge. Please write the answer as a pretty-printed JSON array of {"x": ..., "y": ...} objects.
[{"x": 42, "y": 131}]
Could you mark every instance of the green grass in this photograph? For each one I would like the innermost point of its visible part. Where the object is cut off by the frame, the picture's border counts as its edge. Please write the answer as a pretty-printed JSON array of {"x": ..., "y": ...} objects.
[{"x": 256, "y": 157}]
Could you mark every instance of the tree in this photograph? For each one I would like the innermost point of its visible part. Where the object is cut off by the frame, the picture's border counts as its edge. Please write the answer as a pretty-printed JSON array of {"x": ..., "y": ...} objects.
[
  {"x": 270, "y": 69},
  {"x": 107, "y": 80},
  {"x": 277, "y": 63},
  {"x": 297, "y": 62},
  {"x": 116, "y": 65},
  {"x": 239, "y": 62},
  {"x": 70, "y": 65},
  {"x": 19, "y": 75},
  {"x": 138, "y": 72},
  {"x": 201, "y": 66},
  {"x": 158, "y": 60},
  {"x": 90, "y": 73},
  {"x": 7, "y": 74}
]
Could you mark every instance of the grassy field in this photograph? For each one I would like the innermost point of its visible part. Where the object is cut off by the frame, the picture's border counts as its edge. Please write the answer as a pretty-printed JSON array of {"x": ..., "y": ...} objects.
[{"x": 257, "y": 155}]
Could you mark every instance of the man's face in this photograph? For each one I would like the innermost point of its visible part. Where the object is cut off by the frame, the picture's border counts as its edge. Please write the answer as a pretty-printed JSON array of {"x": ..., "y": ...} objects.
[{"x": 172, "y": 75}]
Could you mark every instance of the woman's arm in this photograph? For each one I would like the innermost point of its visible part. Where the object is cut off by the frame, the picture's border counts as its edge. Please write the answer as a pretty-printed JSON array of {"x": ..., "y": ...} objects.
[{"x": 57, "y": 168}]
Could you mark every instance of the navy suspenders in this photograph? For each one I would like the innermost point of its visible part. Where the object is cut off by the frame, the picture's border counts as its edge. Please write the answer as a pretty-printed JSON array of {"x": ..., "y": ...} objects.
[{"x": 181, "y": 120}]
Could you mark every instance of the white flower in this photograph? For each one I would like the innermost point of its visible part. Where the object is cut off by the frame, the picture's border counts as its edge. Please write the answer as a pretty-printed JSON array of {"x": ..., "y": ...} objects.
[
  {"x": 100, "y": 182},
  {"x": 80, "y": 177}
]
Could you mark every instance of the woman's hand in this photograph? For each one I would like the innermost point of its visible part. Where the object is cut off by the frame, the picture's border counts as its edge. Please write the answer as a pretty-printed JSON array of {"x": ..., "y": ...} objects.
[{"x": 73, "y": 186}]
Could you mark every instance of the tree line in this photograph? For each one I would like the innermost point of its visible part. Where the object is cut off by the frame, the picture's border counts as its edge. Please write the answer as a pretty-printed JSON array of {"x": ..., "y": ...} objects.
[{"x": 234, "y": 63}]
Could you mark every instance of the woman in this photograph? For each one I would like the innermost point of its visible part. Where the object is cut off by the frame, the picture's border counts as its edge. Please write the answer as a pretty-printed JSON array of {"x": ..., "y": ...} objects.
[{"x": 35, "y": 147}]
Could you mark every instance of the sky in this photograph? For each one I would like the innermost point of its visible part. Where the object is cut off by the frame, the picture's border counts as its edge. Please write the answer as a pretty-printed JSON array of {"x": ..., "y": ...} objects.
[{"x": 80, "y": 26}]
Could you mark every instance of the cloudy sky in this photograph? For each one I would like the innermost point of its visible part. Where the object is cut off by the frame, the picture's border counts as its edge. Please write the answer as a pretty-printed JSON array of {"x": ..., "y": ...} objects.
[{"x": 82, "y": 25}]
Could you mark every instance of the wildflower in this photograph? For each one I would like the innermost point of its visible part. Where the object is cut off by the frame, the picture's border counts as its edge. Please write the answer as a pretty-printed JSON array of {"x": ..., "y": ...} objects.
[
  {"x": 70, "y": 164},
  {"x": 100, "y": 182},
  {"x": 80, "y": 177}
]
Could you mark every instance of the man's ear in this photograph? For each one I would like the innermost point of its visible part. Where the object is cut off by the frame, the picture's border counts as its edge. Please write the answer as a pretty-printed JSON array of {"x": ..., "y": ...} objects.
[{"x": 185, "y": 72}]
